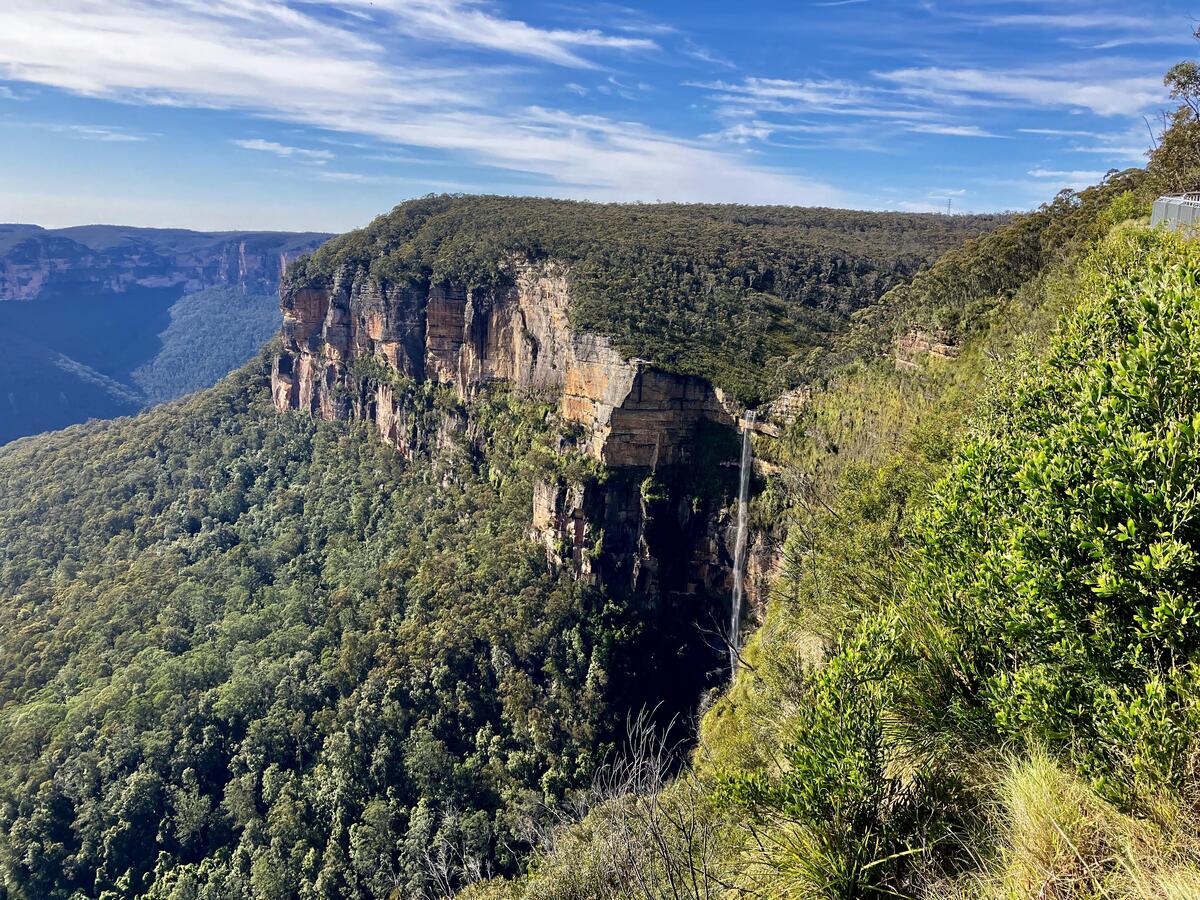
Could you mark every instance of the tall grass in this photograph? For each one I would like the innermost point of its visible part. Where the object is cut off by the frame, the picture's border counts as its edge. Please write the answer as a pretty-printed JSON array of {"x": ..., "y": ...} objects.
[{"x": 1055, "y": 838}]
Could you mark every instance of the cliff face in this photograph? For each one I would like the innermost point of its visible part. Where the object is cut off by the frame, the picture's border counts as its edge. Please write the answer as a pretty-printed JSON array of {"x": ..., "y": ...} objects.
[
  {"x": 640, "y": 526},
  {"x": 112, "y": 259}
]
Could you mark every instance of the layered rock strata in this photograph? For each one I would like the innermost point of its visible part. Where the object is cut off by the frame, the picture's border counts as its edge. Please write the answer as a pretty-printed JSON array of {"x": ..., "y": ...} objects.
[
  {"x": 111, "y": 259},
  {"x": 638, "y": 421}
]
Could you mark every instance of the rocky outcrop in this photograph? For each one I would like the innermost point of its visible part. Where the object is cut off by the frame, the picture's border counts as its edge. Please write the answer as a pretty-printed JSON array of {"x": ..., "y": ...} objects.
[
  {"x": 112, "y": 259},
  {"x": 918, "y": 344},
  {"x": 637, "y": 421},
  {"x": 520, "y": 336}
]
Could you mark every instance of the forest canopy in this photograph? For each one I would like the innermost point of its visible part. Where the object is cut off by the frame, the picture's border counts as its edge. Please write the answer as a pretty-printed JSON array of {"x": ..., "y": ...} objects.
[{"x": 746, "y": 296}]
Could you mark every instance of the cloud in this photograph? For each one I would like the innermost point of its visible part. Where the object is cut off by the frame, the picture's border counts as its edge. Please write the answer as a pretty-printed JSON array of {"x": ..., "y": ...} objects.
[
  {"x": 1076, "y": 179},
  {"x": 741, "y": 133},
  {"x": 704, "y": 55},
  {"x": 105, "y": 133},
  {"x": 1124, "y": 29},
  {"x": 1104, "y": 96},
  {"x": 1069, "y": 175},
  {"x": 953, "y": 130},
  {"x": 464, "y": 23},
  {"x": 348, "y": 75},
  {"x": 318, "y": 156},
  {"x": 1068, "y": 20},
  {"x": 1129, "y": 153},
  {"x": 1056, "y": 132}
]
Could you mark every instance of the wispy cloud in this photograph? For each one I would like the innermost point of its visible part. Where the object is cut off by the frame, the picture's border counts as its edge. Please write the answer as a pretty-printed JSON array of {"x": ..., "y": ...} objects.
[
  {"x": 703, "y": 54},
  {"x": 953, "y": 130},
  {"x": 343, "y": 74},
  {"x": 1096, "y": 92},
  {"x": 1117, "y": 29},
  {"x": 465, "y": 22},
  {"x": 318, "y": 156},
  {"x": 1090, "y": 20},
  {"x": 1128, "y": 153},
  {"x": 741, "y": 133},
  {"x": 105, "y": 133},
  {"x": 1056, "y": 132},
  {"x": 1086, "y": 175},
  {"x": 1076, "y": 179}
]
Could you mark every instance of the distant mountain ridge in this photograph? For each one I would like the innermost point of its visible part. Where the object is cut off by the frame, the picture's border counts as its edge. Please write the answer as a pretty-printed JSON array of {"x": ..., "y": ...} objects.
[
  {"x": 104, "y": 320},
  {"x": 114, "y": 257}
]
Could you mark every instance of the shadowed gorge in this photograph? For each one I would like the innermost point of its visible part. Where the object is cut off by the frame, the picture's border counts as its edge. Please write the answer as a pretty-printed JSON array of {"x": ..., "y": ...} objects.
[{"x": 104, "y": 320}]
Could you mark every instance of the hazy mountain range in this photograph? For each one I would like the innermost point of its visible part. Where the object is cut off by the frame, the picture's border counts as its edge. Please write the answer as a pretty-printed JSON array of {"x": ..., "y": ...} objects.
[{"x": 103, "y": 320}]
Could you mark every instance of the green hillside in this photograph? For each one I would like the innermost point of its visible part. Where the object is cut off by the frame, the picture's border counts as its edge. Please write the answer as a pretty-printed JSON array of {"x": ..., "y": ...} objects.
[
  {"x": 977, "y": 673},
  {"x": 249, "y": 652},
  {"x": 748, "y": 297}
]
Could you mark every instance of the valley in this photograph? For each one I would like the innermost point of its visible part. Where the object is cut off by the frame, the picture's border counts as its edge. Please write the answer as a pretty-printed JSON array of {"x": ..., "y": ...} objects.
[
  {"x": 92, "y": 316},
  {"x": 516, "y": 548}
]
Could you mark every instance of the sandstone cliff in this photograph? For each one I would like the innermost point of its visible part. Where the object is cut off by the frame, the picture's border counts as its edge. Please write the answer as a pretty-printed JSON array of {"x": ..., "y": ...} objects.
[{"x": 642, "y": 526}]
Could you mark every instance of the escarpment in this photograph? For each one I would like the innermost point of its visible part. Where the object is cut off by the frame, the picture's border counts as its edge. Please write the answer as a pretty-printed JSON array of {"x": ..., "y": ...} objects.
[
  {"x": 519, "y": 336},
  {"x": 654, "y": 520},
  {"x": 104, "y": 259}
]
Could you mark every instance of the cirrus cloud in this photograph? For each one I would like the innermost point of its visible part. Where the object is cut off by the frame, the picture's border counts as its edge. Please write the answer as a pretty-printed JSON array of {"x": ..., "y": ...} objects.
[{"x": 317, "y": 66}]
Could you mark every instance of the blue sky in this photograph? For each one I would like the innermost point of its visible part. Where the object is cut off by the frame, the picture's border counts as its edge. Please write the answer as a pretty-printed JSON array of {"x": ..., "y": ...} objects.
[{"x": 303, "y": 114}]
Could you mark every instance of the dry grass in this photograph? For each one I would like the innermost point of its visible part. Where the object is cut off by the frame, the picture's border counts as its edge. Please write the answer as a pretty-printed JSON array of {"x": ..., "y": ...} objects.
[{"x": 1058, "y": 840}]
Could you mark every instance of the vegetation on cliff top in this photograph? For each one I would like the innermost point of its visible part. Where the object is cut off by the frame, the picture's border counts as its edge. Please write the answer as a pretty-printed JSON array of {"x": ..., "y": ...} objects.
[
  {"x": 258, "y": 656},
  {"x": 746, "y": 296}
]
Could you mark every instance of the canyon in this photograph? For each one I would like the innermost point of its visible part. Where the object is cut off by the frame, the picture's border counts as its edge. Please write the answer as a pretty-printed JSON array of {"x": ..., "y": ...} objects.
[
  {"x": 113, "y": 259},
  {"x": 104, "y": 320}
]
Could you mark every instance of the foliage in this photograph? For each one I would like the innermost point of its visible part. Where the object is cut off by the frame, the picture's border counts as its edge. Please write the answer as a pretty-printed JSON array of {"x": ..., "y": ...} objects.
[
  {"x": 1061, "y": 555},
  {"x": 746, "y": 296},
  {"x": 1175, "y": 163},
  {"x": 963, "y": 290},
  {"x": 212, "y": 332},
  {"x": 1043, "y": 599},
  {"x": 261, "y": 657},
  {"x": 250, "y": 655}
]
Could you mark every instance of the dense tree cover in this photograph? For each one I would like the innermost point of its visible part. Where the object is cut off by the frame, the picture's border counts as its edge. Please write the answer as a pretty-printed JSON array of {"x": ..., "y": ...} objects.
[
  {"x": 745, "y": 296},
  {"x": 259, "y": 656},
  {"x": 251, "y": 655},
  {"x": 212, "y": 332},
  {"x": 1046, "y": 602},
  {"x": 976, "y": 677},
  {"x": 964, "y": 288}
]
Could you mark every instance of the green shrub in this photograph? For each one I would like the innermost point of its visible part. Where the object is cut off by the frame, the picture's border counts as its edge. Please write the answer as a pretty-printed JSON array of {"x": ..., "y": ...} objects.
[{"x": 1061, "y": 552}]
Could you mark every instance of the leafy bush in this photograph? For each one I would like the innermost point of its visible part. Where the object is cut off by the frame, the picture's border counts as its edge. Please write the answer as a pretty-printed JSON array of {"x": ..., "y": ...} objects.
[
  {"x": 1061, "y": 553},
  {"x": 1050, "y": 602}
]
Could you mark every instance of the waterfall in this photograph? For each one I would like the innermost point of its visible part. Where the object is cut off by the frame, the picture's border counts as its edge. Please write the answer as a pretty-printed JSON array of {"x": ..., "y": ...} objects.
[{"x": 739, "y": 544}]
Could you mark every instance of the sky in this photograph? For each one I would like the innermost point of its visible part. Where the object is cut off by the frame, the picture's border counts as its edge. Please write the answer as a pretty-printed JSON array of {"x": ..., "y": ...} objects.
[{"x": 313, "y": 115}]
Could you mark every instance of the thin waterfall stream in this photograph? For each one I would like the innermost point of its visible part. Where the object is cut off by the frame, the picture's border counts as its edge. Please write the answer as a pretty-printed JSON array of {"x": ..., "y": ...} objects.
[{"x": 739, "y": 543}]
